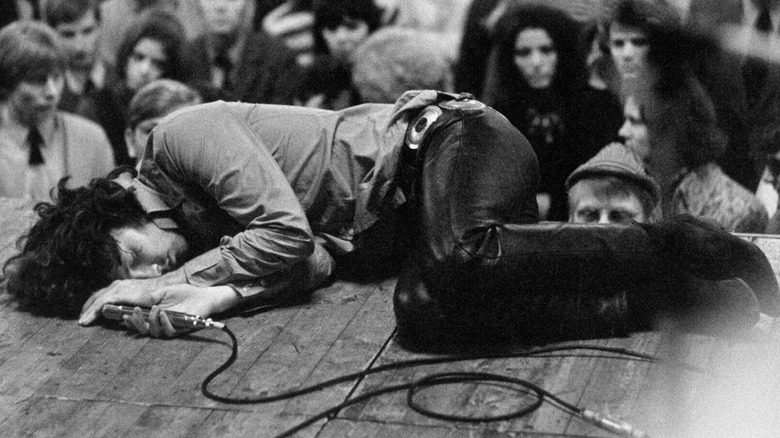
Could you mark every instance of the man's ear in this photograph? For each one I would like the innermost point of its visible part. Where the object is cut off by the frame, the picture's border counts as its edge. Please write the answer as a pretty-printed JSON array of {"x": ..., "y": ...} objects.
[{"x": 132, "y": 149}]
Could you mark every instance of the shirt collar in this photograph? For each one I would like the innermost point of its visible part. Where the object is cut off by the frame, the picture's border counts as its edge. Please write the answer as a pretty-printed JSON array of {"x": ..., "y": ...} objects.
[
  {"x": 158, "y": 206},
  {"x": 18, "y": 131},
  {"x": 750, "y": 14}
]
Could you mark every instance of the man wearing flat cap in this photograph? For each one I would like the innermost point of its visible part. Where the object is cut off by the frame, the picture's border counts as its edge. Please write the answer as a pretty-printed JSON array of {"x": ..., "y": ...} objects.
[{"x": 612, "y": 187}]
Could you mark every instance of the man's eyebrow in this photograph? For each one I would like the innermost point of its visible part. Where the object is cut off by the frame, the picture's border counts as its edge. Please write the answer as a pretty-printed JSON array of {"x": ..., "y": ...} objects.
[{"x": 587, "y": 211}]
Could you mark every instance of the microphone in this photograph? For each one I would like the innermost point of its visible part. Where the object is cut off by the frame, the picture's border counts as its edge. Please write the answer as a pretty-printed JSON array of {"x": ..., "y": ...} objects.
[{"x": 178, "y": 319}]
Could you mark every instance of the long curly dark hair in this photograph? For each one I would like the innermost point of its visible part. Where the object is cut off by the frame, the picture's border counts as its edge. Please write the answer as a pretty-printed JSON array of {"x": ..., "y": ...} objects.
[
  {"x": 571, "y": 71},
  {"x": 684, "y": 115},
  {"x": 69, "y": 253}
]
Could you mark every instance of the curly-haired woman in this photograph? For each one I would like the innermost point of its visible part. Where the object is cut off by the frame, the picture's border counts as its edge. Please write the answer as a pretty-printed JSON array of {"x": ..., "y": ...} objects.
[{"x": 539, "y": 81}]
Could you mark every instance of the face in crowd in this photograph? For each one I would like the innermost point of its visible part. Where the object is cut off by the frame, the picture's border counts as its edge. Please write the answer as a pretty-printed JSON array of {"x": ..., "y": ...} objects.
[
  {"x": 35, "y": 99},
  {"x": 136, "y": 138},
  {"x": 147, "y": 63},
  {"x": 536, "y": 57},
  {"x": 596, "y": 201},
  {"x": 629, "y": 47},
  {"x": 80, "y": 40},
  {"x": 634, "y": 130},
  {"x": 223, "y": 17},
  {"x": 345, "y": 38}
]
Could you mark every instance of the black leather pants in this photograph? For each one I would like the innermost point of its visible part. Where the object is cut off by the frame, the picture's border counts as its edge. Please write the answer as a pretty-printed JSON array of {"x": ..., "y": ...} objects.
[{"x": 484, "y": 269}]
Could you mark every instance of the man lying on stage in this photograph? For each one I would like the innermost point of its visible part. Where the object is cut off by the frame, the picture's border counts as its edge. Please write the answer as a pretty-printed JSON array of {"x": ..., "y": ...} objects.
[{"x": 268, "y": 199}]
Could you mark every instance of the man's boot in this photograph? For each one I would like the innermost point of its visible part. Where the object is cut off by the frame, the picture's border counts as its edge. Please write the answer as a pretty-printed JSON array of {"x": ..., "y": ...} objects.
[
  {"x": 548, "y": 282},
  {"x": 704, "y": 248}
]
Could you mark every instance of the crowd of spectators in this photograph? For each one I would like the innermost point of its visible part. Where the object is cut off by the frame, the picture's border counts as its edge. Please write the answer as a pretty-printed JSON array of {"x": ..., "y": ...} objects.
[{"x": 682, "y": 95}]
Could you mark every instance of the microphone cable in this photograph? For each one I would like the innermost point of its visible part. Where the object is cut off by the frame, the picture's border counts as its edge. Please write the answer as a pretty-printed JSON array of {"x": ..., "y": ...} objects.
[{"x": 541, "y": 395}]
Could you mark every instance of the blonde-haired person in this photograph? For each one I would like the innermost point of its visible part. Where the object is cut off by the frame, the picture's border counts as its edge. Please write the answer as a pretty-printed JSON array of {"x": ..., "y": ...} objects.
[
  {"x": 393, "y": 60},
  {"x": 39, "y": 144},
  {"x": 151, "y": 104},
  {"x": 612, "y": 187}
]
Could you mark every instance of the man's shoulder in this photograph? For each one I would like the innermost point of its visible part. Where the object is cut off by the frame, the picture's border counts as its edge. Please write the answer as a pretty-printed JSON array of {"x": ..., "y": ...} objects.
[
  {"x": 207, "y": 113},
  {"x": 87, "y": 140},
  {"x": 734, "y": 195},
  {"x": 82, "y": 125},
  {"x": 205, "y": 119},
  {"x": 709, "y": 185},
  {"x": 82, "y": 133},
  {"x": 709, "y": 192}
]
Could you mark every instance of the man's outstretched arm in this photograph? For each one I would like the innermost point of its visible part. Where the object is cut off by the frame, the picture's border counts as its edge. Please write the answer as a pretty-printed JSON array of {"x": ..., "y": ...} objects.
[{"x": 172, "y": 292}]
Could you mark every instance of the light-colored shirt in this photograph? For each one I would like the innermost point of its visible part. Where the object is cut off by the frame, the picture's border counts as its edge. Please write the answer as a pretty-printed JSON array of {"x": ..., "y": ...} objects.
[
  {"x": 267, "y": 186},
  {"x": 74, "y": 146},
  {"x": 750, "y": 14}
]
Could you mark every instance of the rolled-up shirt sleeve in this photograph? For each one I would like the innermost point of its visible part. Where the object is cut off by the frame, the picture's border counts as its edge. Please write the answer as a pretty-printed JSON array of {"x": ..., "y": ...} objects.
[
  {"x": 210, "y": 156},
  {"x": 303, "y": 277}
]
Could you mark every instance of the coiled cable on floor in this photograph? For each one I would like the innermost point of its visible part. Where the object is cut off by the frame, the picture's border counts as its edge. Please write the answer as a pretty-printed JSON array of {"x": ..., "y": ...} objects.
[{"x": 541, "y": 395}]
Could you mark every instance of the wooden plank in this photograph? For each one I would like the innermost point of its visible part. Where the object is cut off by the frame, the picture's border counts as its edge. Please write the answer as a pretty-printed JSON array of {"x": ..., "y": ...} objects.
[
  {"x": 16, "y": 329},
  {"x": 567, "y": 376},
  {"x": 615, "y": 384},
  {"x": 147, "y": 376},
  {"x": 354, "y": 350},
  {"x": 370, "y": 429},
  {"x": 61, "y": 418},
  {"x": 254, "y": 334},
  {"x": 239, "y": 424},
  {"x": 168, "y": 421},
  {"x": 342, "y": 428},
  {"x": 36, "y": 360},
  {"x": 357, "y": 339},
  {"x": 95, "y": 365},
  {"x": 564, "y": 376},
  {"x": 300, "y": 348}
]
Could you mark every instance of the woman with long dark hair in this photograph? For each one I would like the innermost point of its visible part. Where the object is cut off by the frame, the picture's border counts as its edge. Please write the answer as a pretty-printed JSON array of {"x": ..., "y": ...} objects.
[
  {"x": 539, "y": 81},
  {"x": 152, "y": 48}
]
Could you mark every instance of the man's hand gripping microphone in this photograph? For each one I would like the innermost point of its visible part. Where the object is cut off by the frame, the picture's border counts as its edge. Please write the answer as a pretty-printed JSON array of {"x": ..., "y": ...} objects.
[{"x": 179, "y": 320}]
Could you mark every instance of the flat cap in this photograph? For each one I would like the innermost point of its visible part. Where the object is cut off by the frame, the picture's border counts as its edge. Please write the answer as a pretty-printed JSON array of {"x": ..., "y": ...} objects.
[{"x": 616, "y": 159}]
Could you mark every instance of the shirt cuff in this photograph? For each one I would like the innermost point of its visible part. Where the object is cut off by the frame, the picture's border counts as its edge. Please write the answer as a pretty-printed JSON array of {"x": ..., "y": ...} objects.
[
  {"x": 207, "y": 269},
  {"x": 304, "y": 276}
]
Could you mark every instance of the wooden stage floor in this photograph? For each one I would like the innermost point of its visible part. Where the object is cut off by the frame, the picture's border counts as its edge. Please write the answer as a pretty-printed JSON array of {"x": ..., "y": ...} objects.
[{"x": 60, "y": 380}]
